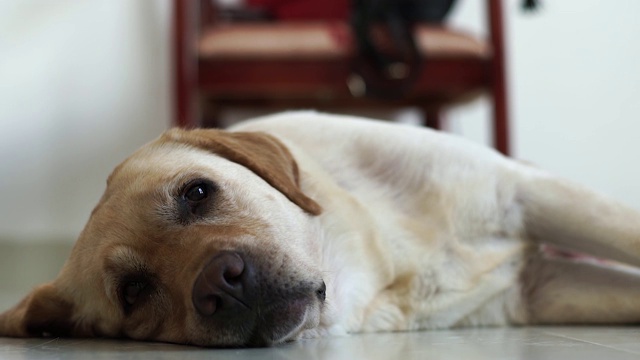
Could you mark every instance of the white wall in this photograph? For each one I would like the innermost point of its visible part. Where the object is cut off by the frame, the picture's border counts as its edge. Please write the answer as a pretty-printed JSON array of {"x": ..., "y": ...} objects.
[
  {"x": 85, "y": 82},
  {"x": 574, "y": 83},
  {"x": 82, "y": 84}
]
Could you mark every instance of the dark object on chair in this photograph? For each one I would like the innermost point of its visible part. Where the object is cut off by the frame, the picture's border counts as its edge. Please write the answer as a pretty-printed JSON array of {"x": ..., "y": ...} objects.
[
  {"x": 388, "y": 61},
  {"x": 309, "y": 64}
]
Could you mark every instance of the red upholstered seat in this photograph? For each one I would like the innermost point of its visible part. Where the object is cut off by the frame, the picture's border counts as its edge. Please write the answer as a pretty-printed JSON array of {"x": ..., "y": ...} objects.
[{"x": 321, "y": 40}]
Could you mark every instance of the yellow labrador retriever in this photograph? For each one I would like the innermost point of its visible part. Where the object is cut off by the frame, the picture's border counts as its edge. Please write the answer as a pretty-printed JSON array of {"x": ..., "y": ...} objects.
[{"x": 302, "y": 225}]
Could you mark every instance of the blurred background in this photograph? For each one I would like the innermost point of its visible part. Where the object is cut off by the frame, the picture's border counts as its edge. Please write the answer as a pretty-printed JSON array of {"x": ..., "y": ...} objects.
[{"x": 83, "y": 83}]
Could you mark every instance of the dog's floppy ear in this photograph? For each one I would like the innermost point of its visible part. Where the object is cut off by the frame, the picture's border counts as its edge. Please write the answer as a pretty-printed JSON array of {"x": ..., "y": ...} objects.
[
  {"x": 44, "y": 312},
  {"x": 259, "y": 152}
]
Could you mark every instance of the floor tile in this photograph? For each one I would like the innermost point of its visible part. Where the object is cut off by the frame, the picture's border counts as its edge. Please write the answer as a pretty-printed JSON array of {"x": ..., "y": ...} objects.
[{"x": 469, "y": 344}]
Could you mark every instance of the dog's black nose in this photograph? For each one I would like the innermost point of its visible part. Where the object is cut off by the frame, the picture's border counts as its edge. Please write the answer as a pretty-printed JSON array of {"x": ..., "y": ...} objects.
[{"x": 220, "y": 287}]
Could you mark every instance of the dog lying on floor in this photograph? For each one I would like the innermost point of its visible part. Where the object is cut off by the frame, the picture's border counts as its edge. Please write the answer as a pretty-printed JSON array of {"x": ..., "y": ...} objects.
[{"x": 302, "y": 225}]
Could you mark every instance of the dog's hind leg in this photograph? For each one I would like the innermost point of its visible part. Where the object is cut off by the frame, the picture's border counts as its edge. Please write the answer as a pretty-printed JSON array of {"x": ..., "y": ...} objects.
[{"x": 566, "y": 215}]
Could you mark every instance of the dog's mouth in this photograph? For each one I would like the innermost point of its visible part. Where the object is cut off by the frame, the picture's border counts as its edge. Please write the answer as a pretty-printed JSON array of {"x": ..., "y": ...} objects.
[{"x": 284, "y": 321}]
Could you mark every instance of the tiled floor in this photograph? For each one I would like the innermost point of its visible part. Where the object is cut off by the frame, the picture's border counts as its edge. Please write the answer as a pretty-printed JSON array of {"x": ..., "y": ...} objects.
[
  {"x": 22, "y": 267},
  {"x": 469, "y": 344}
]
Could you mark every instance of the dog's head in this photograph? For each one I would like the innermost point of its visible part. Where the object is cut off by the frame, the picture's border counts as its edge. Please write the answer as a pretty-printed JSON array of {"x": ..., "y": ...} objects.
[{"x": 201, "y": 237}]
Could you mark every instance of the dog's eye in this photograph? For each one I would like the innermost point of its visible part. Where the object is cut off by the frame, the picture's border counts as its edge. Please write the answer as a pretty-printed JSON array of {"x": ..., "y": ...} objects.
[
  {"x": 131, "y": 291},
  {"x": 195, "y": 200},
  {"x": 197, "y": 192}
]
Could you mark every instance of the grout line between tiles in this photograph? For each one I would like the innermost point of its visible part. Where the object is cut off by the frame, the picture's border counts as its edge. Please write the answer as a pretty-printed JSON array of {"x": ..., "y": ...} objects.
[{"x": 589, "y": 342}]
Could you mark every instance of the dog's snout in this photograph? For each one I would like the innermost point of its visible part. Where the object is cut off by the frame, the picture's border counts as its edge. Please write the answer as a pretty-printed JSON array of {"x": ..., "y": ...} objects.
[{"x": 221, "y": 286}]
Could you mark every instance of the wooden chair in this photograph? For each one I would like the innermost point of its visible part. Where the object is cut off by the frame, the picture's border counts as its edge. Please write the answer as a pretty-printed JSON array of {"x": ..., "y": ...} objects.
[{"x": 287, "y": 65}]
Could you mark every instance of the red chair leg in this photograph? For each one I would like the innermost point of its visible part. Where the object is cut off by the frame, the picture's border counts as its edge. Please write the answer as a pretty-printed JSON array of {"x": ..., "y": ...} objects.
[
  {"x": 211, "y": 116},
  {"x": 500, "y": 123},
  {"x": 184, "y": 63},
  {"x": 433, "y": 118},
  {"x": 499, "y": 86}
]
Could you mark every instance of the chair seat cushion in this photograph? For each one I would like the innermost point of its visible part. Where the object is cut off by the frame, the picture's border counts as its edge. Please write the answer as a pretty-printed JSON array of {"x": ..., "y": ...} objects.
[{"x": 321, "y": 40}]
